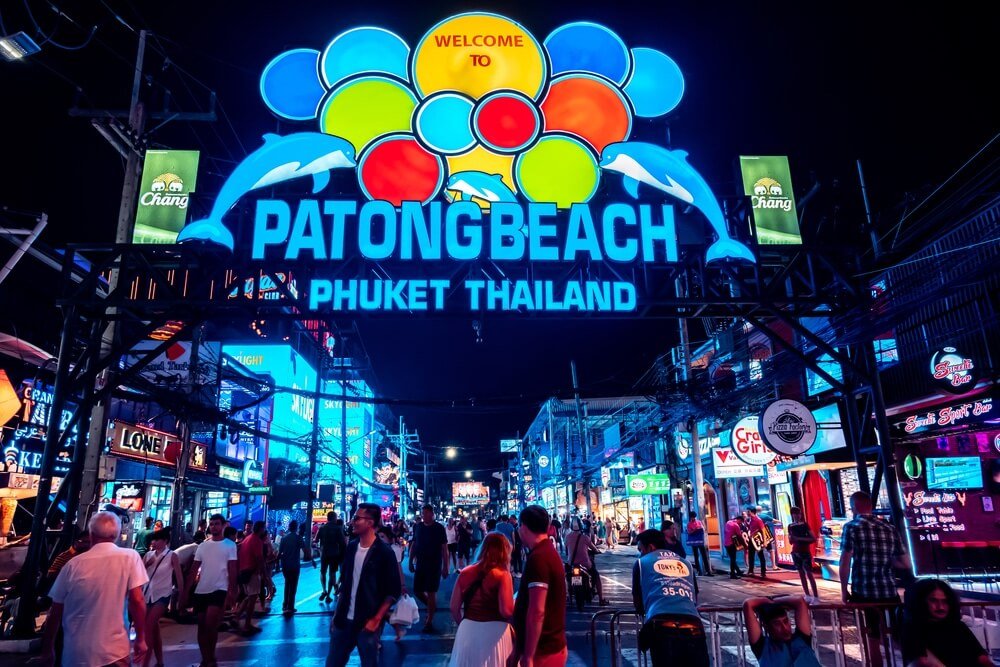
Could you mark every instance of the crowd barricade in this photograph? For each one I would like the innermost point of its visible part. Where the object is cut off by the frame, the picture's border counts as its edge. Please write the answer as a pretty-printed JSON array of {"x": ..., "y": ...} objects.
[{"x": 838, "y": 636}]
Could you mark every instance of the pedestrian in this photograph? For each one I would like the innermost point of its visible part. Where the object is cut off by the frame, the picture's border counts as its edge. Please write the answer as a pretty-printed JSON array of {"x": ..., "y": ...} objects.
[
  {"x": 870, "y": 549},
  {"x": 369, "y": 587},
  {"x": 802, "y": 539},
  {"x": 517, "y": 552},
  {"x": 452, "y": 535},
  {"x": 932, "y": 632},
  {"x": 478, "y": 531},
  {"x": 201, "y": 534},
  {"x": 696, "y": 540},
  {"x": 733, "y": 537},
  {"x": 251, "y": 575},
  {"x": 506, "y": 528},
  {"x": 385, "y": 533},
  {"x": 463, "y": 533},
  {"x": 602, "y": 534},
  {"x": 669, "y": 530},
  {"x": 665, "y": 594},
  {"x": 582, "y": 550},
  {"x": 186, "y": 536},
  {"x": 758, "y": 542},
  {"x": 291, "y": 551},
  {"x": 141, "y": 542},
  {"x": 428, "y": 561},
  {"x": 770, "y": 633},
  {"x": 87, "y": 601},
  {"x": 164, "y": 571},
  {"x": 612, "y": 531},
  {"x": 764, "y": 512},
  {"x": 80, "y": 545},
  {"x": 215, "y": 567},
  {"x": 540, "y": 605},
  {"x": 332, "y": 546},
  {"x": 482, "y": 604}
]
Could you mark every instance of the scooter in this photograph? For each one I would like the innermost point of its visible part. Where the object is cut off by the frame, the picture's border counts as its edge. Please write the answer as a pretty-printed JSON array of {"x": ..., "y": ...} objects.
[{"x": 581, "y": 588}]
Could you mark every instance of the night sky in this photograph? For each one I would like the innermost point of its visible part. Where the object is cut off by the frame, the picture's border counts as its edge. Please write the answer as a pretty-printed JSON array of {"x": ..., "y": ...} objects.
[{"x": 904, "y": 91}]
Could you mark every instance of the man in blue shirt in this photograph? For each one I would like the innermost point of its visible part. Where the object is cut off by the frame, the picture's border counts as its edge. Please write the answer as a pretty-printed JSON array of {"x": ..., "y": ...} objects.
[
  {"x": 665, "y": 591},
  {"x": 505, "y": 528},
  {"x": 770, "y": 633}
]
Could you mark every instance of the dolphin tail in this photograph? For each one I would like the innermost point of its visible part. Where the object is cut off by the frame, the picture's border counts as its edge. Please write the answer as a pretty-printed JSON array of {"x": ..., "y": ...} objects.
[
  {"x": 727, "y": 248},
  {"x": 209, "y": 230}
]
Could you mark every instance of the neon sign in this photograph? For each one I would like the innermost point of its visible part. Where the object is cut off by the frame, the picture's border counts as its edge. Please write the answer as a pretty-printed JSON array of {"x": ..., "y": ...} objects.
[
  {"x": 954, "y": 372},
  {"x": 480, "y": 142}
]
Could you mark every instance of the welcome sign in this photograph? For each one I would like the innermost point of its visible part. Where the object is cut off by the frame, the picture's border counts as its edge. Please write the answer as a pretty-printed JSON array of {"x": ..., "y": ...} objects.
[{"x": 481, "y": 143}]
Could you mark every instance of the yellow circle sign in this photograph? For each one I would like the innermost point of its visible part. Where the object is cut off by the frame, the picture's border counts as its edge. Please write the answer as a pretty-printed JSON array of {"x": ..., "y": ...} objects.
[
  {"x": 476, "y": 54},
  {"x": 672, "y": 567}
]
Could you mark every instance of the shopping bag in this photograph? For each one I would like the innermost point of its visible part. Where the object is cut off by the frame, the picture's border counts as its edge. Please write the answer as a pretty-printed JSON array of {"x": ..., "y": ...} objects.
[{"x": 405, "y": 613}]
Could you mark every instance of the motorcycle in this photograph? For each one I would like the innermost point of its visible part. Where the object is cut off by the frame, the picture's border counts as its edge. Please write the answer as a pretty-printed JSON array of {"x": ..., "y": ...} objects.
[{"x": 581, "y": 589}]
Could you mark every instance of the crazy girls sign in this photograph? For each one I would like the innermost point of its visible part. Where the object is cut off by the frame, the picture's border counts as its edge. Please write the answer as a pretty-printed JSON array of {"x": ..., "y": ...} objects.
[{"x": 479, "y": 143}]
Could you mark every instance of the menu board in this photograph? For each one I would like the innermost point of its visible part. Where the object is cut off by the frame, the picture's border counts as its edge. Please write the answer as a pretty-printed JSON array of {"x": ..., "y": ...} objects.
[{"x": 949, "y": 486}]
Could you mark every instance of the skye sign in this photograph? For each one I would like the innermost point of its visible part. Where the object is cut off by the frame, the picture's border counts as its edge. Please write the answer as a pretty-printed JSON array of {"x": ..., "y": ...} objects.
[{"x": 479, "y": 143}]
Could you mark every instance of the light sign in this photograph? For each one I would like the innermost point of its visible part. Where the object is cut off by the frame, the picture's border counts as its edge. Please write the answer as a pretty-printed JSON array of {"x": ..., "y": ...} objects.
[
  {"x": 509, "y": 446},
  {"x": 481, "y": 142},
  {"x": 788, "y": 427},
  {"x": 768, "y": 183},
  {"x": 470, "y": 493},
  {"x": 747, "y": 443},
  {"x": 647, "y": 485},
  {"x": 953, "y": 372},
  {"x": 727, "y": 465},
  {"x": 168, "y": 179},
  {"x": 144, "y": 444}
]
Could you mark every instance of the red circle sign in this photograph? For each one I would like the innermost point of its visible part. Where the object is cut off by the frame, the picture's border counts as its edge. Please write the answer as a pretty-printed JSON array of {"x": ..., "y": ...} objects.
[{"x": 748, "y": 445}]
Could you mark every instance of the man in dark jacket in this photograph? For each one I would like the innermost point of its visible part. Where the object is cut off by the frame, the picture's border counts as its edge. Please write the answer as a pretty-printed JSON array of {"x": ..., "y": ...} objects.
[{"x": 369, "y": 586}]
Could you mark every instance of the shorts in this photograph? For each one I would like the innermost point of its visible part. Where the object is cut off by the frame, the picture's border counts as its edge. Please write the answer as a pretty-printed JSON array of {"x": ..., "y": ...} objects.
[
  {"x": 165, "y": 601},
  {"x": 202, "y": 601},
  {"x": 251, "y": 588},
  {"x": 426, "y": 580},
  {"x": 874, "y": 618},
  {"x": 453, "y": 548},
  {"x": 802, "y": 561},
  {"x": 329, "y": 562},
  {"x": 464, "y": 551}
]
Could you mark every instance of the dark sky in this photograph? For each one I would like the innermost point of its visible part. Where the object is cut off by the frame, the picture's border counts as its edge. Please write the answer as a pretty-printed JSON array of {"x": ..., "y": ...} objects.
[{"x": 905, "y": 91}]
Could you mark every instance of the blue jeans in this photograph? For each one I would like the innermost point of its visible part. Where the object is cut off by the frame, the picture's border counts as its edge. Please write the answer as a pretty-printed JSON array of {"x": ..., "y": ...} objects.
[{"x": 342, "y": 643}]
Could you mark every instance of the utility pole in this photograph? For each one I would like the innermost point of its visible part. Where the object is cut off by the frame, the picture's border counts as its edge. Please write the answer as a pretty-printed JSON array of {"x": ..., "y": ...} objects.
[
  {"x": 314, "y": 447},
  {"x": 403, "y": 496},
  {"x": 123, "y": 235},
  {"x": 699, "y": 484},
  {"x": 583, "y": 441},
  {"x": 180, "y": 477},
  {"x": 343, "y": 438}
]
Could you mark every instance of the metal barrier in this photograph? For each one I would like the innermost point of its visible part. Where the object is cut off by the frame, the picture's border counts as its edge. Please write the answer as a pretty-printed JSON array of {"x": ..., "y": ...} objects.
[{"x": 838, "y": 636}]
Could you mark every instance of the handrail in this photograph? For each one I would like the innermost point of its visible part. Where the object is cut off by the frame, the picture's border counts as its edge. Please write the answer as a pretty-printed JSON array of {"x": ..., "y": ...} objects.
[
  {"x": 614, "y": 639},
  {"x": 593, "y": 630}
]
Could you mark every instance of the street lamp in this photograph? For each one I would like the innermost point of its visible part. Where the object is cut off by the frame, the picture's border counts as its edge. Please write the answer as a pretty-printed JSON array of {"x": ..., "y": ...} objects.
[
  {"x": 16, "y": 46},
  {"x": 468, "y": 474},
  {"x": 450, "y": 452}
]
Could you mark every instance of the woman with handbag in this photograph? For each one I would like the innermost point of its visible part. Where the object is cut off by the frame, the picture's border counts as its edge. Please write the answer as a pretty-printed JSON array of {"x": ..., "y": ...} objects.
[
  {"x": 482, "y": 603},
  {"x": 162, "y": 568},
  {"x": 386, "y": 535}
]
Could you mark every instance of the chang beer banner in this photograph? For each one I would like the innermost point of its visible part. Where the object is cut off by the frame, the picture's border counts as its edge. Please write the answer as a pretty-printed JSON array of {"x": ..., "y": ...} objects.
[
  {"x": 767, "y": 180},
  {"x": 168, "y": 179}
]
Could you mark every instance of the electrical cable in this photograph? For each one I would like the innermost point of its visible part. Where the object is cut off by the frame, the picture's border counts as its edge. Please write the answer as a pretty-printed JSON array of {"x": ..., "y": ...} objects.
[{"x": 50, "y": 38}]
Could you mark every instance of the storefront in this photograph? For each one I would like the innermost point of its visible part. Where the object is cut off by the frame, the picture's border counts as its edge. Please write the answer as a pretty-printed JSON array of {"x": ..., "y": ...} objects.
[{"x": 948, "y": 464}]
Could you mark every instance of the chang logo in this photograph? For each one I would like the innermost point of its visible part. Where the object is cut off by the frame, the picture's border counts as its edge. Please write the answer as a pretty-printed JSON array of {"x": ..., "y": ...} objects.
[
  {"x": 671, "y": 567},
  {"x": 166, "y": 190},
  {"x": 768, "y": 193},
  {"x": 10, "y": 458}
]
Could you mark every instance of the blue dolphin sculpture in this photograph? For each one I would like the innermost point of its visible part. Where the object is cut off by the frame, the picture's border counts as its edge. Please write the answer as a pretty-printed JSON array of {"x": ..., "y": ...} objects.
[
  {"x": 489, "y": 187},
  {"x": 279, "y": 159},
  {"x": 668, "y": 171}
]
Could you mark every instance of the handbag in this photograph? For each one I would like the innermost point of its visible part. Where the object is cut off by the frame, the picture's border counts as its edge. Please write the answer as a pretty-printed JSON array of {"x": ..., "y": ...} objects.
[{"x": 405, "y": 613}]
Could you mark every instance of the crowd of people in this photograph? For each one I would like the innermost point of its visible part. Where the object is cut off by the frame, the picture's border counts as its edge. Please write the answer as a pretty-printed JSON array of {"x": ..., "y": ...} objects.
[{"x": 222, "y": 574}]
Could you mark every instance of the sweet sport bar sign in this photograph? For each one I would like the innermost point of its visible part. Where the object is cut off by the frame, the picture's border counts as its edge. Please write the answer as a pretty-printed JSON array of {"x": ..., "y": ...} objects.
[{"x": 481, "y": 143}]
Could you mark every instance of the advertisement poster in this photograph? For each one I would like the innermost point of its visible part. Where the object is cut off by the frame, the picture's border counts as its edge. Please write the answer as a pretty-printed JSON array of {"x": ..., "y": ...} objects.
[
  {"x": 168, "y": 179},
  {"x": 767, "y": 180},
  {"x": 470, "y": 493}
]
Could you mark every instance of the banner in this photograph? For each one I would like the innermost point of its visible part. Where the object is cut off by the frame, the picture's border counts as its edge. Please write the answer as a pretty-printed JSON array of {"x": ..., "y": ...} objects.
[
  {"x": 728, "y": 465},
  {"x": 767, "y": 180},
  {"x": 168, "y": 179},
  {"x": 471, "y": 493},
  {"x": 647, "y": 485}
]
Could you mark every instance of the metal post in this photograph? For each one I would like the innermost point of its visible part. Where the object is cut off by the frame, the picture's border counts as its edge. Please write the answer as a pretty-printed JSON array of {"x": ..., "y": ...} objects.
[
  {"x": 313, "y": 451},
  {"x": 24, "y": 624},
  {"x": 343, "y": 441},
  {"x": 579, "y": 429},
  {"x": 23, "y": 247},
  {"x": 868, "y": 213},
  {"x": 123, "y": 235},
  {"x": 520, "y": 475},
  {"x": 885, "y": 440},
  {"x": 699, "y": 482},
  {"x": 180, "y": 477},
  {"x": 427, "y": 490},
  {"x": 404, "y": 500}
]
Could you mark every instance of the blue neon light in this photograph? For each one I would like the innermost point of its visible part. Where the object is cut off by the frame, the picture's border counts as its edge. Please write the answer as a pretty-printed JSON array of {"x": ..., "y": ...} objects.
[
  {"x": 290, "y": 85},
  {"x": 656, "y": 85},
  {"x": 589, "y": 47},
  {"x": 364, "y": 50},
  {"x": 443, "y": 123}
]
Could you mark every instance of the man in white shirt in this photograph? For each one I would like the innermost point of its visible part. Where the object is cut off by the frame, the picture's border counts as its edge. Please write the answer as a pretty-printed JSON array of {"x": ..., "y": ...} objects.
[
  {"x": 89, "y": 594},
  {"x": 216, "y": 591}
]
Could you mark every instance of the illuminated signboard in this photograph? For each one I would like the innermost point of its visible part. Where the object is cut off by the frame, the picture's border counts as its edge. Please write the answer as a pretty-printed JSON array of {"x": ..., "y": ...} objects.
[
  {"x": 977, "y": 410},
  {"x": 480, "y": 142},
  {"x": 647, "y": 485},
  {"x": 144, "y": 444},
  {"x": 953, "y": 372},
  {"x": 470, "y": 493},
  {"x": 727, "y": 465},
  {"x": 231, "y": 474},
  {"x": 168, "y": 179},
  {"x": 748, "y": 445},
  {"x": 767, "y": 180}
]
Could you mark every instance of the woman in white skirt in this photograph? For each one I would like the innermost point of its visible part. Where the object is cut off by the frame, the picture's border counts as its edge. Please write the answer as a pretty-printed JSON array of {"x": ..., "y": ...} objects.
[{"x": 482, "y": 604}]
